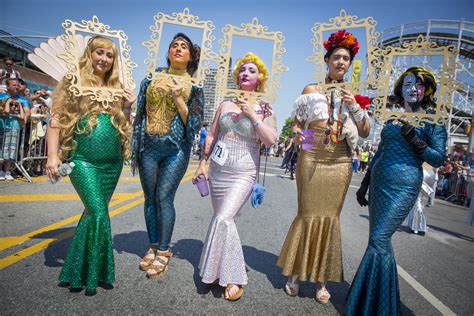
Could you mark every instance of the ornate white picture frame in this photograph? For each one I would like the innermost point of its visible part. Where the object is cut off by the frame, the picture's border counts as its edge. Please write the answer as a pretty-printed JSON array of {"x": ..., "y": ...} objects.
[
  {"x": 74, "y": 52},
  {"x": 445, "y": 80},
  {"x": 185, "y": 19},
  {"x": 255, "y": 30}
]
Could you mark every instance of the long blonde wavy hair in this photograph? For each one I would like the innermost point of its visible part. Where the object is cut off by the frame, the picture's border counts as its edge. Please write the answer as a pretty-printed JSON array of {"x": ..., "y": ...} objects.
[{"x": 69, "y": 110}]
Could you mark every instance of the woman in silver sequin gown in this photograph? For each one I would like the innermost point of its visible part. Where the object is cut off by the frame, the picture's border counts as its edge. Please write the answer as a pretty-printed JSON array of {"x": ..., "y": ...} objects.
[{"x": 233, "y": 144}]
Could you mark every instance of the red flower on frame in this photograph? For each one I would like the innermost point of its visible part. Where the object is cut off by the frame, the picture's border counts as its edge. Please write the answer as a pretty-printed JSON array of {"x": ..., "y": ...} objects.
[{"x": 362, "y": 100}]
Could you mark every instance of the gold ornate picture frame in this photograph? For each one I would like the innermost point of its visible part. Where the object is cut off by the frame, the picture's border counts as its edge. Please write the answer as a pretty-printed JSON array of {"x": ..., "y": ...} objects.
[
  {"x": 344, "y": 22},
  {"x": 73, "y": 54},
  {"x": 185, "y": 19},
  {"x": 445, "y": 79},
  {"x": 255, "y": 30}
]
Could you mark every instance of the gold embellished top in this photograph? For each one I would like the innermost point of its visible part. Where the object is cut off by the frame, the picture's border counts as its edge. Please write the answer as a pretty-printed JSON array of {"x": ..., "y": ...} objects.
[{"x": 160, "y": 106}]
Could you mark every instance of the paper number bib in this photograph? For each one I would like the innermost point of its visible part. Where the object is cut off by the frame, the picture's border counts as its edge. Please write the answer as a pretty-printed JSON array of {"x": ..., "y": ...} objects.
[{"x": 220, "y": 153}]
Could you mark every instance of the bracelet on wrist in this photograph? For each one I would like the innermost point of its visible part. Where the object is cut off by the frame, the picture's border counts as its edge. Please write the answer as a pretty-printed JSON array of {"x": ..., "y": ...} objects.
[
  {"x": 257, "y": 123},
  {"x": 358, "y": 115},
  {"x": 355, "y": 108}
]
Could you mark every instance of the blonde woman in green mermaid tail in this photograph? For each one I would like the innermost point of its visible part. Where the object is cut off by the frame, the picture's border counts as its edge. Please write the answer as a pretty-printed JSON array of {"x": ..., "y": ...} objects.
[{"x": 96, "y": 139}]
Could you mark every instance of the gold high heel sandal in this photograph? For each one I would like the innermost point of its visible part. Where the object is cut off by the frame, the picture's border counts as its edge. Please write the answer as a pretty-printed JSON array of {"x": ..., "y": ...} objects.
[
  {"x": 147, "y": 260},
  {"x": 323, "y": 292},
  {"x": 292, "y": 286},
  {"x": 156, "y": 271},
  {"x": 237, "y": 294}
]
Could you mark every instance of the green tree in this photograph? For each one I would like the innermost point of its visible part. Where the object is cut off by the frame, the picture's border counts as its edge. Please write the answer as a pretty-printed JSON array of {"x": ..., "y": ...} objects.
[{"x": 286, "y": 130}]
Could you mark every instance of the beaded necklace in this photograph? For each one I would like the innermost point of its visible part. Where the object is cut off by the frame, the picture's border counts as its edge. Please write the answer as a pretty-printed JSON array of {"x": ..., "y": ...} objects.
[{"x": 329, "y": 129}]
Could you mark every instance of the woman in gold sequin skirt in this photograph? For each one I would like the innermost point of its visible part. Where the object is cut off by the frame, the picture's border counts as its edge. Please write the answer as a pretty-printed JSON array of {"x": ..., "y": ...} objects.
[{"x": 312, "y": 249}]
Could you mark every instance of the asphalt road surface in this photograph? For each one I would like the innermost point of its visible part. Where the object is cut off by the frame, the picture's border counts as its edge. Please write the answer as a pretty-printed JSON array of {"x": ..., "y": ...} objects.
[{"x": 37, "y": 221}]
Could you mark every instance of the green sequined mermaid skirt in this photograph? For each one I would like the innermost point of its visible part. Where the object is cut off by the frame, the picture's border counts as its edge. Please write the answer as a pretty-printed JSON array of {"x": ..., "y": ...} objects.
[{"x": 98, "y": 164}]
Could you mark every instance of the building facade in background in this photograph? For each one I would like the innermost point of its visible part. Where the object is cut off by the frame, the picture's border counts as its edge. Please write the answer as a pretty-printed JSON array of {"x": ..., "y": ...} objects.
[{"x": 18, "y": 50}]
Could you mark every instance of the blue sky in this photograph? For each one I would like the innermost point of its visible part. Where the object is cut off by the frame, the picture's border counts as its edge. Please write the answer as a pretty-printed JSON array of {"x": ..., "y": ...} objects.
[{"x": 293, "y": 18}]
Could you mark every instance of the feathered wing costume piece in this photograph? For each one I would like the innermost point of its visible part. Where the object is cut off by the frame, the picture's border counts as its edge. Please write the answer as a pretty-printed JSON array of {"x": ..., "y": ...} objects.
[{"x": 47, "y": 56}]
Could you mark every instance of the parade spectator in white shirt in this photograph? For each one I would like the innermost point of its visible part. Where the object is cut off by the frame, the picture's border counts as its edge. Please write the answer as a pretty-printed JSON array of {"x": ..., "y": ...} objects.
[{"x": 7, "y": 73}]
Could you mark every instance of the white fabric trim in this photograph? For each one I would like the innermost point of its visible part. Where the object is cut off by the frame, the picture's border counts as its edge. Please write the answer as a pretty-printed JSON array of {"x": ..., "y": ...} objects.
[{"x": 314, "y": 106}]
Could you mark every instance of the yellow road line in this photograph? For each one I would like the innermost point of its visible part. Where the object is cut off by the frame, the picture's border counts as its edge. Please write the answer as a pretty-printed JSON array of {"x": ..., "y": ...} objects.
[
  {"x": 66, "y": 179},
  {"x": 53, "y": 197},
  {"x": 45, "y": 179},
  {"x": 7, "y": 242},
  {"x": 10, "y": 241},
  {"x": 22, "y": 254},
  {"x": 191, "y": 163}
]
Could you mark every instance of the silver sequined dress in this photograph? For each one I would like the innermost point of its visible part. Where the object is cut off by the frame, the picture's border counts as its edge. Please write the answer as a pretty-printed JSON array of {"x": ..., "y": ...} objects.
[{"x": 231, "y": 184}]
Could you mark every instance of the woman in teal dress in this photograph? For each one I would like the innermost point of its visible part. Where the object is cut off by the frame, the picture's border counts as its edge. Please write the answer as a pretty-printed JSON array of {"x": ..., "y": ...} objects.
[
  {"x": 395, "y": 176},
  {"x": 96, "y": 138}
]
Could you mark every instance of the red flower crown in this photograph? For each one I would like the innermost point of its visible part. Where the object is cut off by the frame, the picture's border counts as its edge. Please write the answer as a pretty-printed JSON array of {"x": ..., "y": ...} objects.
[{"x": 342, "y": 38}]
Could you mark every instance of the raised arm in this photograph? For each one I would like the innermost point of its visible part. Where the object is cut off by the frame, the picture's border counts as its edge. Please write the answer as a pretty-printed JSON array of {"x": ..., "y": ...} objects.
[
  {"x": 435, "y": 152},
  {"x": 211, "y": 139},
  {"x": 267, "y": 130},
  {"x": 195, "y": 113},
  {"x": 138, "y": 128},
  {"x": 53, "y": 132},
  {"x": 431, "y": 147}
]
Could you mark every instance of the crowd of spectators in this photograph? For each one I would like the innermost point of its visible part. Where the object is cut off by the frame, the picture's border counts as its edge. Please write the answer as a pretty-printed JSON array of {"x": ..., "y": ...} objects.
[{"x": 23, "y": 116}]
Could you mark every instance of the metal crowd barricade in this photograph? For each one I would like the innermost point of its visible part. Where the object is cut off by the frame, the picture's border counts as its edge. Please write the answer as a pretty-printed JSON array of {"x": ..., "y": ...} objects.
[
  {"x": 440, "y": 185},
  {"x": 461, "y": 190},
  {"x": 11, "y": 141},
  {"x": 457, "y": 188},
  {"x": 35, "y": 143}
]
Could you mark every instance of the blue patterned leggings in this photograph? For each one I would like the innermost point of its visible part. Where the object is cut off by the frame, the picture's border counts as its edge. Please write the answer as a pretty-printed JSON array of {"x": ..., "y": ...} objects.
[{"x": 162, "y": 166}]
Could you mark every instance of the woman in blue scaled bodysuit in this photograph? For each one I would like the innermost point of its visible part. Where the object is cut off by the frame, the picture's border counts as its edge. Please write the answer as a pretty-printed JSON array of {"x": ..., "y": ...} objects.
[
  {"x": 169, "y": 114},
  {"x": 395, "y": 177}
]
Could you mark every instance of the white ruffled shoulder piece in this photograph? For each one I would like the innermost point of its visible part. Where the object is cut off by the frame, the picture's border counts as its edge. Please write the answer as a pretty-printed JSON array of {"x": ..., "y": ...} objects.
[{"x": 310, "y": 107}]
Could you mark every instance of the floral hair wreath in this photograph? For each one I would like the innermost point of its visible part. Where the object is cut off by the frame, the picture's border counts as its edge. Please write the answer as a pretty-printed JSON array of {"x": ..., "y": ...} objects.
[{"x": 342, "y": 38}]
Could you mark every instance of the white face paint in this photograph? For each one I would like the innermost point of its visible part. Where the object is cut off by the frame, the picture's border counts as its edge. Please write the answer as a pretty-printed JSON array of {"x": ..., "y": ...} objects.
[{"x": 412, "y": 91}]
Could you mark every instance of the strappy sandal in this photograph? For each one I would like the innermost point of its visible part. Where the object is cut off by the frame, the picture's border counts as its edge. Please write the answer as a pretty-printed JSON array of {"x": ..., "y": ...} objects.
[
  {"x": 147, "y": 260},
  {"x": 292, "y": 289},
  {"x": 156, "y": 271},
  {"x": 237, "y": 294},
  {"x": 292, "y": 286},
  {"x": 323, "y": 292}
]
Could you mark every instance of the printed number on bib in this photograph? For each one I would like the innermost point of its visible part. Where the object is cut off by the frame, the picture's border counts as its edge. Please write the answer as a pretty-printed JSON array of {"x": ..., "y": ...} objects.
[{"x": 220, "y": 153}]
